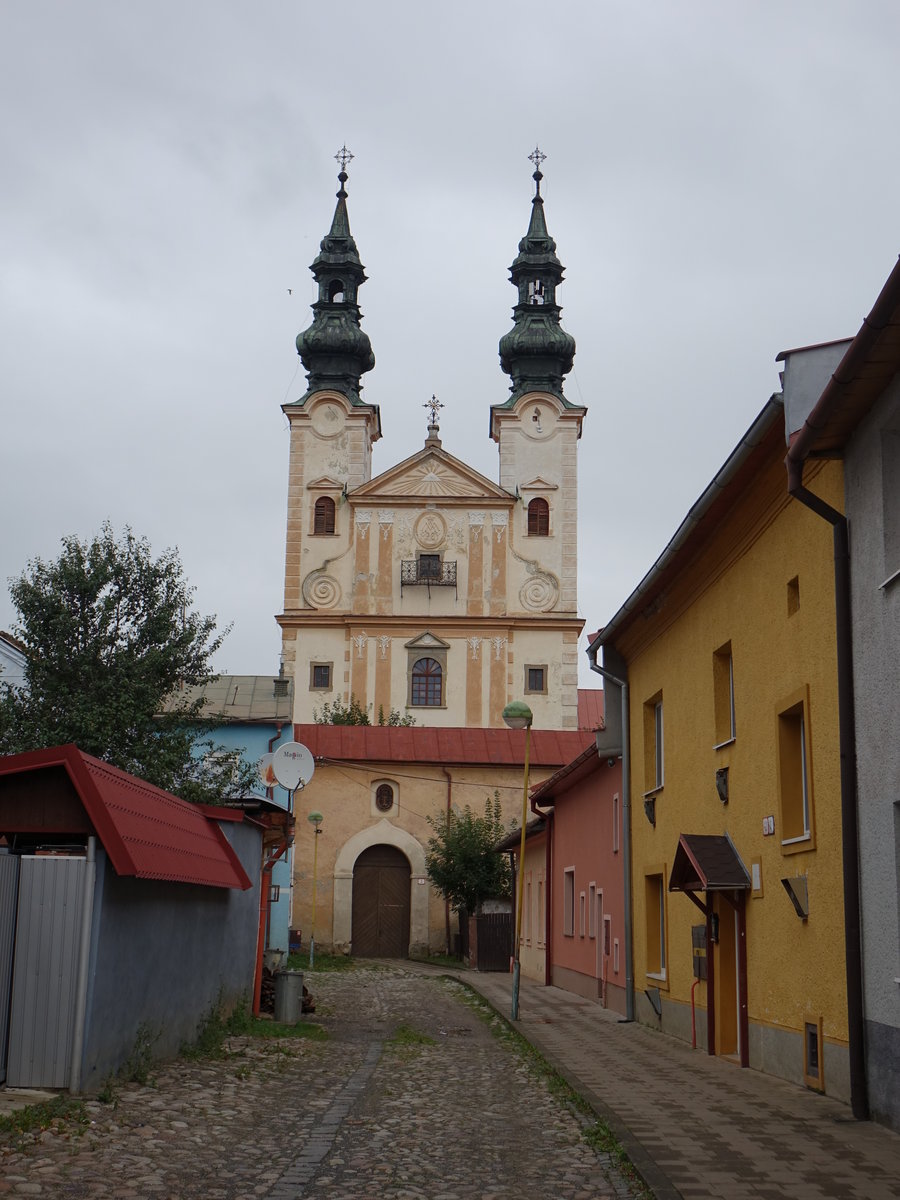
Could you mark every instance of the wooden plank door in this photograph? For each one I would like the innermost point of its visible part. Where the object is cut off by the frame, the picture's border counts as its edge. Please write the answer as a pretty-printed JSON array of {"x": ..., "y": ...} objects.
[{"x": 381, "y": 899}]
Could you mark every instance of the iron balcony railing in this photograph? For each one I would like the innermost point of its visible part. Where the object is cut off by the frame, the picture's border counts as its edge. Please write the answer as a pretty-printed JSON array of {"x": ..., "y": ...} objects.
[{"x": 424, "y": 571}]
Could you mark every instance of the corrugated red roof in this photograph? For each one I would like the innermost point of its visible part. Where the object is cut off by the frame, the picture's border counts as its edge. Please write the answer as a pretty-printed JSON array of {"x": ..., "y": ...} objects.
[
  {"x": 147, "y": 833},
  {"x": 591, "y": 711},
  {"x": 390, "y": 743}
]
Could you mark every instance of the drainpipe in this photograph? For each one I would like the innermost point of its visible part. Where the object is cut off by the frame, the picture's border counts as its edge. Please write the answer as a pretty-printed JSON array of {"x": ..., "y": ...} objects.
[
  {"x": 626, "y": 825},
  {"x": 859, "y": 1101},
  {"x": 84, "y": 959},
  {"x": 447, "y": 902},
  {"x": 264, "y": 889}
]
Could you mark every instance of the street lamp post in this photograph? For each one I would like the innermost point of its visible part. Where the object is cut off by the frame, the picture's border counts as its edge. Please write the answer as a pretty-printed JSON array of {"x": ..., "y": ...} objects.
[
  {"x": 314, "y": 818},
  {"x": 518, "y": 715}
]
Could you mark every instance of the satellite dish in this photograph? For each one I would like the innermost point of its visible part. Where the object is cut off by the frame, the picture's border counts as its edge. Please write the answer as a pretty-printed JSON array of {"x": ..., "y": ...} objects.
[
  {"x": 293, "y": 765},
  {"x": 266, "y": 774}
]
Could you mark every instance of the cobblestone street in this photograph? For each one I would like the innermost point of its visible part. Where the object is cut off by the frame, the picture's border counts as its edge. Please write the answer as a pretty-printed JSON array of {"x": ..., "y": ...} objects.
[{"x": 412, "y": 1095}]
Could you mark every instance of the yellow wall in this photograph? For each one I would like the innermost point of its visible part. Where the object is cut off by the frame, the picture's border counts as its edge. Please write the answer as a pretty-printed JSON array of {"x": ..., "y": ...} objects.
[{"x": 737, "y": 589}]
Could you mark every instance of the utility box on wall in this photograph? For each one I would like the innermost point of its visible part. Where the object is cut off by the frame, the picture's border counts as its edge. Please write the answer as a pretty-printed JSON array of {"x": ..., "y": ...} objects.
[{"x": 698, "y": 945}]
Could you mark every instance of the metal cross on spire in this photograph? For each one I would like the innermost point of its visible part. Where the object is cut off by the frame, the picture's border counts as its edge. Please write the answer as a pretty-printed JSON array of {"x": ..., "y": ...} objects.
[
  {"x": 344, "y": 156},
  {"x": 435, "y": 406},
  {"x": 536, "y": 157}
]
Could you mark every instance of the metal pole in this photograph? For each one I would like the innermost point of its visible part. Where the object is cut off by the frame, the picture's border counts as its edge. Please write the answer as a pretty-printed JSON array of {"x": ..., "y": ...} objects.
[
  {"x": 312, "y": 931},
  {"x": 521, "y": 889}
]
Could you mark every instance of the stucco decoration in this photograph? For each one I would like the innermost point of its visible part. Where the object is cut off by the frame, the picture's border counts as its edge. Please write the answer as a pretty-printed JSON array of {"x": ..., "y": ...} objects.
[
  {"x": 363, "y": 521},
  {"x": 385, "y": 521},
  {"x": 474, "y": 642},
  {"x": 431, "y": 477},
  {"x": 476, "y": 524},
  {"x": 498, "y": 643},
  {"x": 499, "y": 520},
  {"x": 320, "y": 590},
  {"x": 384, "y": 644},
  {"x": 383, "y": 834},
  {"x": 327, "y": 419},
  {"x": 540, "y": 591},
  {"x": 431, "y": 530},
  {"x": 360, "y": 641}
]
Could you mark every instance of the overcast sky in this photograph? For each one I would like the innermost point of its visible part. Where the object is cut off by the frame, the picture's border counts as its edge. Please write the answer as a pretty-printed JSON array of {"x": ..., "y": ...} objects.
[{"x": 721, "y": 180}]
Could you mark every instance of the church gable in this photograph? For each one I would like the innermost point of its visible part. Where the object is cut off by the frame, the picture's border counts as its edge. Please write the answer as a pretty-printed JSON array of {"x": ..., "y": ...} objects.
[{"x": 432, "y": 474}]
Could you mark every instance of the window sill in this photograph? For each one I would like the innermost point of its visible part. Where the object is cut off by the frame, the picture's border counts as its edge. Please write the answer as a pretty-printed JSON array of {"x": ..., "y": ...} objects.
[
  {"x": 728, "y": 742},
  {"x": 890, "y": 581},
  {"x": 798, "y": 845},
  {"x": 653, "y": 792}
]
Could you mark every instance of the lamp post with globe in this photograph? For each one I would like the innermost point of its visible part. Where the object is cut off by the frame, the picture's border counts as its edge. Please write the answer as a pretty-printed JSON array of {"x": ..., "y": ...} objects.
[
  {"x": 518, "y": 715},
  {"x": 315, "y": 819}
]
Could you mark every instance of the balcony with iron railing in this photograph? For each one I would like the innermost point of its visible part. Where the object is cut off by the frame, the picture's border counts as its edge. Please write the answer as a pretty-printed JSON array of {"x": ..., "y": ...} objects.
[{"x": 427, "y": 570}]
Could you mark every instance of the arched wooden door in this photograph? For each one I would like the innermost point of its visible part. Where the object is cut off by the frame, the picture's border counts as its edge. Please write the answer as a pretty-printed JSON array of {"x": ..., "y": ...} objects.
[{"x": 381, "y": 883}]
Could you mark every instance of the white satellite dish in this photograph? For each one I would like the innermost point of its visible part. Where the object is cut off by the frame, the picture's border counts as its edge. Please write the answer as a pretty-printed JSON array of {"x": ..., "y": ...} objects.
[
  {"x": 266, "y": 774},
  {"x": 293, "y": 765}
]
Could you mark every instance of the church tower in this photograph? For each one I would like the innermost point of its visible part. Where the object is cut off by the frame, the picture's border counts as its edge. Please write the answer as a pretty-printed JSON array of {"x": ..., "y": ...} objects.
[
  {"x": 537, "y": 430},
  {"x": 332, "y": 428}
]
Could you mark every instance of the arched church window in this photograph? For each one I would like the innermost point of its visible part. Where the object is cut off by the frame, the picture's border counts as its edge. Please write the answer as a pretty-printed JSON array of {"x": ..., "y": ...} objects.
[
  {"x": 336, "y": 292},
  {"x": 427, "y": 682},
  {"x": 538, "y": 518},
  {"x": 324, "y": 515}
]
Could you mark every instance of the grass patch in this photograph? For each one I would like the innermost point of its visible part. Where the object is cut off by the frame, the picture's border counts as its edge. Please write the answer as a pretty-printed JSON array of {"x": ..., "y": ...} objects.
[
  {"x": 61, "y": 1110},
  {"x": 216, "y": 1029},
  {"x": 405, "y": 1035},
  {"x": 323, "y": 962},
  {"x": 440, "y": 960},
  {"x": 595, "y": 1131}
]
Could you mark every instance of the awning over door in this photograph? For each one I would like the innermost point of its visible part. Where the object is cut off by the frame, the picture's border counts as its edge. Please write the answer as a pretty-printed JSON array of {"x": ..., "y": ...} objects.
[{"x": 707, "y": 863}]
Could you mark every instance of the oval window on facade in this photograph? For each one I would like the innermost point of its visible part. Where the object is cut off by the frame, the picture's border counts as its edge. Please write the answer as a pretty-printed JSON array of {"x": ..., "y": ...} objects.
[{"x": 384, "y": 797}]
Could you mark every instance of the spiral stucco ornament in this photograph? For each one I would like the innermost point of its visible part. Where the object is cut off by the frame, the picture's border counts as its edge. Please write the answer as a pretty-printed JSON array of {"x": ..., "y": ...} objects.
[
  {"x": 539, "y": 593},
  {"x": 321, "y": 591}
]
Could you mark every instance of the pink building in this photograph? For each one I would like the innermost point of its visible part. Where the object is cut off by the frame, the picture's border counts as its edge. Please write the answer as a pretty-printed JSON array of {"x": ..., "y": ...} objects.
[{"x": 582, "y": 805}]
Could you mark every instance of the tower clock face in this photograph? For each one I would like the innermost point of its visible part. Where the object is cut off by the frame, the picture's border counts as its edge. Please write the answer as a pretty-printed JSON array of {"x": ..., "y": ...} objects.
[
  {"x": 328, "y": 419},
  {"x": 539, "y": 420}
]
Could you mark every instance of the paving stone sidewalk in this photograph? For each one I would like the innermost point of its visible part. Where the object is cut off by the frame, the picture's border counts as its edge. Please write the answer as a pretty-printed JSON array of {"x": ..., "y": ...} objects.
[
  {"x": 699, "y": 1127},
  {"x": 412, "y": 1095}
]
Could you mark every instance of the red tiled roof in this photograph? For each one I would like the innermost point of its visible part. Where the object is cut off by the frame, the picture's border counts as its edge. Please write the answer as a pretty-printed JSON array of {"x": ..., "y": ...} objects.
[
  {"x": 591, "y": 708},
  {"x": 147, "y": 833},
  {"x": 390, "y": 743}
]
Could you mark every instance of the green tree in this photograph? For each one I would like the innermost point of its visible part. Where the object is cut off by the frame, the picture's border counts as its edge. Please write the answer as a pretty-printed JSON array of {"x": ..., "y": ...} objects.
[
  {"x": 113, "y": 645},
  {"x": 461, "y": 860},
  {"x": 336, "y": 712}
]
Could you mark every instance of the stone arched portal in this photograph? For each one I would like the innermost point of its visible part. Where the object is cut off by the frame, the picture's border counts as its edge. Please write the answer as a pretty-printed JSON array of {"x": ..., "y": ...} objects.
[{"x": 384, "y": 833}]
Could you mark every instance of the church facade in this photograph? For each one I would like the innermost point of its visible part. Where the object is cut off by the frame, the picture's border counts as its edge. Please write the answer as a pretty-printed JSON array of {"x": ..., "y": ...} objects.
[{"x": 430, "y": 591}]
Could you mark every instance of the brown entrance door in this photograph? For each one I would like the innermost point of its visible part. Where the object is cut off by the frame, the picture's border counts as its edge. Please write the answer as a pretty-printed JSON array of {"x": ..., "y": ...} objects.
[{"x": 381, "y": 882}]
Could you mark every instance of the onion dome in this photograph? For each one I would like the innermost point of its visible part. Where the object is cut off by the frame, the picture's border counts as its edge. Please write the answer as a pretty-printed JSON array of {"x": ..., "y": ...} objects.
[
  {"x": 334, "y": 349},
  {"x": 537, "y": 352}
]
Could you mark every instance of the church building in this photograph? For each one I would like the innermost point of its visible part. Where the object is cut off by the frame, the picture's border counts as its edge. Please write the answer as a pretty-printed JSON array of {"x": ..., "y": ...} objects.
[{"x": 429, "y": 590}]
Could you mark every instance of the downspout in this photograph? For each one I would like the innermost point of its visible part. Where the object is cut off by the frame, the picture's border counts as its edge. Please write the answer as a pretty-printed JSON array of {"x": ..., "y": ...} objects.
[
  {"x": 548, "y": 891},
  {"x": 84, "y": 959},
  {"x": 446, "y": 901},
  {"x": 859, "y": 1101},
  {"x": 264, "y": 889},
  {"x": 626, "y": 825}
]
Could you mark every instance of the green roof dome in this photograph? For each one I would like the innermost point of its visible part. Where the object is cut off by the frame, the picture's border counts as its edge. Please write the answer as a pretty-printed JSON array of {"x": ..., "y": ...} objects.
[
  {"x": 537, "y": 352},
  {"x": 334, "y": 349}
]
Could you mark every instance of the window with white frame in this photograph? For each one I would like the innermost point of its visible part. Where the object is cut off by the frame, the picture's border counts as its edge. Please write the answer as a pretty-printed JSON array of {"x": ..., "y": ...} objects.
[
  {"x": 655, "y": 913},
  {"x": 723, "y": 695},
  {"x": 653, "y": 744},
  {"x": 615, "y": 836},
  {"x": 592, "y": 909}
]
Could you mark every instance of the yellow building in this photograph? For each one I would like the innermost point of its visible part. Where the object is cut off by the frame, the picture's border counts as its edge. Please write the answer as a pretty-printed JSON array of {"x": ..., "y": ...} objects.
[
  {"x": 728, "y": 650},
  {"x": 427, "y": 592}
]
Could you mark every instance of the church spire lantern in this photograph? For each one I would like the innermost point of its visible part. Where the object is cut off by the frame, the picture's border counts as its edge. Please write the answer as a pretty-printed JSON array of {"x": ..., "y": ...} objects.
[
  {"x": 537, "y": 352},
  {"x": 334, "y": 349}
]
